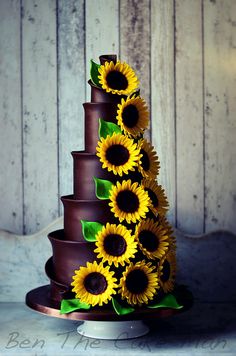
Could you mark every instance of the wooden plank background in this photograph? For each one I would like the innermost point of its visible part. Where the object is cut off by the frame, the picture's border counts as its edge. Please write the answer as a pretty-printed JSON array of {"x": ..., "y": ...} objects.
[{"x": 184, "y": 53}]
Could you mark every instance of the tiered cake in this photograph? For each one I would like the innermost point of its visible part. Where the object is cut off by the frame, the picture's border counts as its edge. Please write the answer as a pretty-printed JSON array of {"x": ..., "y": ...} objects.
[{"x": 116, "y": 249}]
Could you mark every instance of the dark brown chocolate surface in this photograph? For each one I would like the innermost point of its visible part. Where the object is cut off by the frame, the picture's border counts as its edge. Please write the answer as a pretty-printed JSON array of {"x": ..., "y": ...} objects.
[
  {"x": 94, "y": 112},
  {"x": 87, "y": 166},
  {"x": 68, "y": 256},
  {"x": 39, "y": 299},
  {"x": 76, "y": 210}
]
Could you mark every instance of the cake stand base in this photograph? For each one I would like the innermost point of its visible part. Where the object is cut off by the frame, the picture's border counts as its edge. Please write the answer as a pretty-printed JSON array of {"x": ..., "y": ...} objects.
[{"x": 113, "y": 330}]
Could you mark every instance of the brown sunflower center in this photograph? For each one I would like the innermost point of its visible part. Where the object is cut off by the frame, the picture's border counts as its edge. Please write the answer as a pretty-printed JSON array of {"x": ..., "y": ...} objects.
[
  {"x": 127, "y": 201},
  {"x": 130, "y": 116},
  {"x": 145, "y": 162},
  {"x": 137, "y": 281},
  {"x": 165, "y": 271},
  {"x": 152, "y": 197},
  {"x": 116, "y": 80},
  {"x": 115, "y": 244},
  {"x": 95, "y": 283},
  {"x": 117, "y": 155},
  {"x": 148, "y": 240}
]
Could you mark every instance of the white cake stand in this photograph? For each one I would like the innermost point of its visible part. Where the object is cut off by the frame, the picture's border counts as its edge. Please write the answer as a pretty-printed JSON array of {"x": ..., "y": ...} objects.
[{"x": 98, "y": 324}]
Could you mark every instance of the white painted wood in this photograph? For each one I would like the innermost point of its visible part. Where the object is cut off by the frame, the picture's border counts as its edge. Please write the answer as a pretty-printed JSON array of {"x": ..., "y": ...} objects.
[
  {"x": 11, "y": 200},
  {"x": 102, "y": 31},
  {"x": 135, "y": 40},
  {"x": 71, "y": 87},
  {"x": 189, "y": 116},
  {"x": 162, "y": 95},
  {"x": 39, "y": 113},
  {"x": 220, "y": 113},
  {"x": 22, "y": 261}
]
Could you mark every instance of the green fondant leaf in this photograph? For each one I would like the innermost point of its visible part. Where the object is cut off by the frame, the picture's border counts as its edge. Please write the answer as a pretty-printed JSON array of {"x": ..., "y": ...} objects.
[
  {"x": 90, "y": 229},
  {"x": 107, "y": 128},
  {"x": 70, "y": 305},
  {"x": 102, "y": 188},
  {"x": 121, "y": 309},
  {"x": 94, "y": 73},
  {"x": 169, "y": 301}
]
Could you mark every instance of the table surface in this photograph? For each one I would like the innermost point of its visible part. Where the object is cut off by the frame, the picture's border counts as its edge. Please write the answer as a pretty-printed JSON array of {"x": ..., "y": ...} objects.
[{"x": 205, "y": 329}]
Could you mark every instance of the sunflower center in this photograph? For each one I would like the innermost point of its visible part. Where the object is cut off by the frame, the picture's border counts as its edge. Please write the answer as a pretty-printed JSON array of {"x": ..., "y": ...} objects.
[
  {"x": 148, "y": 240},
  {"x": 152, "y": 197},
  {"x": 127, "y": 201},
  {"x": 130, "y": 116},
  {"x": 145, "y": 160},
  {"x": 116, "y": 80},
  {"x": 117, "y": 155},
  {"x": 115, "y": 245},
  {"x": 95, "y": 283},
  {"x": 137, "y": 281},
  {"x": 165, "y": 271}
]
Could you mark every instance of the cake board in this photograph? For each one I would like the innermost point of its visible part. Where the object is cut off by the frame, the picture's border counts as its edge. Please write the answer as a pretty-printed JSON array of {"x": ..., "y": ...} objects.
[{"x": 97, "y": 323}]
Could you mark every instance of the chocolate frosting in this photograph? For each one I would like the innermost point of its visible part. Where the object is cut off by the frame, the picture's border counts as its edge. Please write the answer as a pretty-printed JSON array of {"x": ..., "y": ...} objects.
[{"x": 69, "y": 249}]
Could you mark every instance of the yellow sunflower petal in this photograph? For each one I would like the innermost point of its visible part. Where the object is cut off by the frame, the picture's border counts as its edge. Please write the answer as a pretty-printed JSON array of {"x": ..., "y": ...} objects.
[
  {"x": 132, "y": 115},
  {"x": 139, "y": 283},
  {"x": 94, "y": 284},
  {"x": 118, "y": 154},
  {"x": 117, "y": 78},
  {"x": 115, "y": 244},
  {"x": 129, "y": 201},
  {"x": 149, "y": 164}
]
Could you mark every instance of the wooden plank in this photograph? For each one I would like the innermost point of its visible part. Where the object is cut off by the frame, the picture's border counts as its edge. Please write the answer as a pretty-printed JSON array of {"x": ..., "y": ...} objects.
[
  {"x": 220, "y": 110},
  {"x": 135, "y": 42},
  {"x": 189, "y": 117},
  {"x": 71, "y": 87},
  {"x": 39, "y": 113},
  {"x": 162, "y": 95},
  {"x": 102, "y": 31},
  {"x": 11, "y": 200}
]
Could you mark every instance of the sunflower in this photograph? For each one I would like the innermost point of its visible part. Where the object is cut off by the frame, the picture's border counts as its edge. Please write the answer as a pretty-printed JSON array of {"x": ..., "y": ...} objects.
[
  {"x": 129, "y": 201},
  {"x": 132, "y": 115},
  {"x": 117, "y": 78},
  {"x": 149, "y": 164},
  {"x": 139, "y": 283},
  {"x": 167, "y": 271},
  {"x": 157, "y": 196},
  {"x": 94, "y": 284},
  {"x": 164, "y": 223},
  {"x": 115, "y": 244},
  {"x": 118, "y": 153},
  {"x": 152, "y": 239}
]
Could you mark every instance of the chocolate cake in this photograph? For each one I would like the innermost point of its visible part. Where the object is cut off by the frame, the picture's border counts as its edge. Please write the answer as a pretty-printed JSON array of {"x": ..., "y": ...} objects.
[{"x": 117, "y": 247}]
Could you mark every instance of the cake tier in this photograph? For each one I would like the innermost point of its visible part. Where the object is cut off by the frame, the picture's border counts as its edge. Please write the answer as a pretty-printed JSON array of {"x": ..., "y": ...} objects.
[
  {"x": 87, "y": 166},
  {"x": 76, "y": 210},
  {"x": 67, "y": 257},
  {"x": 94, "y": 112},
  {"x": 98, "y": 95}
]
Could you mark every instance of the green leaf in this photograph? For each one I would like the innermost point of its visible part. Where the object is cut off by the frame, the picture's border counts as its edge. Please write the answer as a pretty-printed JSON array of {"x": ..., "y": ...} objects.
[
  {"x": 70, "y": 305},
  {"x": 94, "y": 73},
  {"x": 121, "y": 309},
  {"x": 107, "y": 128},
  {"x": 169, "y": 301},
  {"x": 102, "y": 188},
  {"x": 90, "y": 229}
]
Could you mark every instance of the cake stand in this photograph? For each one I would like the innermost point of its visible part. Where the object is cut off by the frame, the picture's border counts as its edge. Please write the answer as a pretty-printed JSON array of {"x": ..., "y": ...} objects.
[{"x": 98, "y": 323}]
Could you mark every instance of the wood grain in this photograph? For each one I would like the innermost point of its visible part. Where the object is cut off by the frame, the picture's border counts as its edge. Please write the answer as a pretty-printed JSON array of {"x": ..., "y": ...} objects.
[
  {"x": 11, "y": 192},
  {"x": 39, "y": 114},
  {"x": 135, "y": 42},
  {"x": 189, "y": 117},
  {"x": 102, "y": 32},
  {"x": 220, "y": 109},
  {"x": 71, "y": 87},
  {"x": 163, "y": 96}
]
